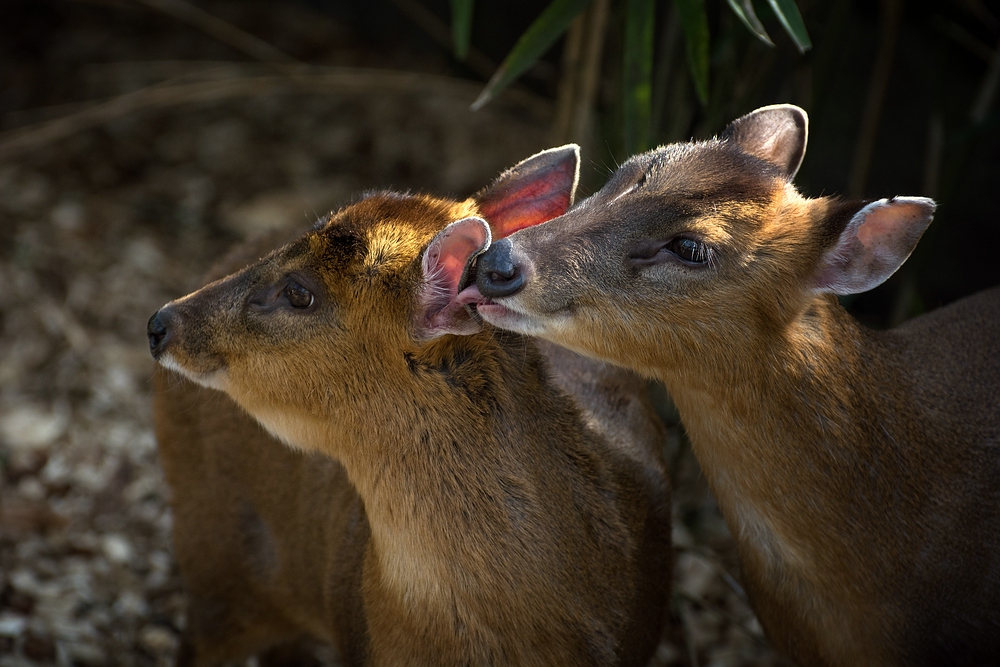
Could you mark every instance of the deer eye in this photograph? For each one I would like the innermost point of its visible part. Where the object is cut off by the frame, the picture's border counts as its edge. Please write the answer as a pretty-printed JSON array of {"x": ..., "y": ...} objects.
[
  {"x": 690, "y": 250},
  {"x": 298, "y": 296},
  {"x": 686, "y": 249}
]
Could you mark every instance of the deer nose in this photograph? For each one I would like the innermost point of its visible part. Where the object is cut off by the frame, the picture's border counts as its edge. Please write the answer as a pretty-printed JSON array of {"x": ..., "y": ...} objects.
[
  {"x": 496, "y": 273},
  {"x": 158, "y": 333}
]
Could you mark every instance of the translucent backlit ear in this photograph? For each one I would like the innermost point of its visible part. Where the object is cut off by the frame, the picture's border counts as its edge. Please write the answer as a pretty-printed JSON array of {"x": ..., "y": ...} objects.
[
  {"x": 874, "y": 243},
  {"x": 533, "y": 191},
  {"x": 777, "y": 134},
  {"x": 445, "y": 266}
]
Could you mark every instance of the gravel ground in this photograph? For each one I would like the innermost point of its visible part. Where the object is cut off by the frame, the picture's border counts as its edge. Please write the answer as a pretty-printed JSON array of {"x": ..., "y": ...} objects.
[{"x": 100, "y": 227}]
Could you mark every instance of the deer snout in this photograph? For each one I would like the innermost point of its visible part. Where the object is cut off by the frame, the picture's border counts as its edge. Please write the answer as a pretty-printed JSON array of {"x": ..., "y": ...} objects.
[
  {"x": 158, "y": 331},
  {"x": 497, "y": 272}
]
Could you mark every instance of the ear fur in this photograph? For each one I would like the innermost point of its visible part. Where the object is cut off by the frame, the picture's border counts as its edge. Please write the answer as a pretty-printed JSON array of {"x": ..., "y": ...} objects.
[
  {"x": 533, "y": 191},
  {"x": 776, "y": 133},
  {"x": 445, "y": 267},
  {"x": 874, "y": 243}
]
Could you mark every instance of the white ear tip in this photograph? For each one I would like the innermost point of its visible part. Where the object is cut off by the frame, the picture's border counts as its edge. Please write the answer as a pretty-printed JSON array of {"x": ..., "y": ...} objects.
[
  {"x": 922, "y": 202},
  {"x": 565, "y": 148},
  {"x": 791, "y": 108},
  {"x": 472, "y": 219},
  {"x": 926, "y": 204}
]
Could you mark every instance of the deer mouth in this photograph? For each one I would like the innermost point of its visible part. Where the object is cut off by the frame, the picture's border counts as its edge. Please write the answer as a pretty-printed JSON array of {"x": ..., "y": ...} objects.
[
  {"x": 470, "y": 296},
  {"x": 498, "y": 314},
  {"x": 213, "y": 379},
  {"x": 474, "y": 301}
]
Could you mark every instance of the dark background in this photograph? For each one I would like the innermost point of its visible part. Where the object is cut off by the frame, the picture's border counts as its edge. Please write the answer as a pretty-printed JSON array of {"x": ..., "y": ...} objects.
[{"x": 107, "y": 211}]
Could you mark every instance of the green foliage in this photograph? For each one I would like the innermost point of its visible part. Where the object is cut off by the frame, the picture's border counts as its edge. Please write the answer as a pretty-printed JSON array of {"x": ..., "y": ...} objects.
[
  {"x": 694, "y": 20},
  {"x": 533, "y": 43},
  {"x": 638, "y": 47},
  {"x": 745, "y": 11},
  {"x": 637, "y": 75},
  {"x": 791, "y": 20},
  {"x": 461, "y": 26}
]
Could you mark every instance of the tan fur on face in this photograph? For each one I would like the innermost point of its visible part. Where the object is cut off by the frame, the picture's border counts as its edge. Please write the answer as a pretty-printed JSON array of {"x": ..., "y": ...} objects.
[{"x": 451, "y": 530}]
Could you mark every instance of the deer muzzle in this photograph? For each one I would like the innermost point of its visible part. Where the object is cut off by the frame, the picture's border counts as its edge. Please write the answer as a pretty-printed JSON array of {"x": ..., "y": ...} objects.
[
  {"x": 158, "y": 330},
  {"x": 498, "y": 273}
]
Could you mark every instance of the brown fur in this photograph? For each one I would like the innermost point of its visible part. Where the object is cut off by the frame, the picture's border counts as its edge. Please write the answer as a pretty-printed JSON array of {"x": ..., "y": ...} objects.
[
  {"x": 858, "y": 470},
  {"x": 449, "y": 505}
]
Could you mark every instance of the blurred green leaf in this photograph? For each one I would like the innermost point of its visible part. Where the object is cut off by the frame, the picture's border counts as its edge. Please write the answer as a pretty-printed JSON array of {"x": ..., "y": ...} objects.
[
  {"x": 533, "y": 43},
  {"x": 638, "y": 74},
  {"x": 461, "y": 26},
  {"x": 744, "y": 10},
  {"x": 695, "y": 24},
  {"x": 788, "y": 14}
]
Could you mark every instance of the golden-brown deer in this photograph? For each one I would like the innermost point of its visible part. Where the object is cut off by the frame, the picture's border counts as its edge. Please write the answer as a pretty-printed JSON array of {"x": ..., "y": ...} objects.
[
  {"x": 451, "y": 504},
  {"x": 859, "y": 470}
]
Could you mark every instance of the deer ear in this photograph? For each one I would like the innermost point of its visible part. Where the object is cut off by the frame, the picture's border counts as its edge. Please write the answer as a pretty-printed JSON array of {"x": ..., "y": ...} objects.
[
  {"x": 445, "y": 266},
  {"x": 777, "y": 134},
  {"x": 532, "y": 191},
  {"x": 875, "y": 242}
]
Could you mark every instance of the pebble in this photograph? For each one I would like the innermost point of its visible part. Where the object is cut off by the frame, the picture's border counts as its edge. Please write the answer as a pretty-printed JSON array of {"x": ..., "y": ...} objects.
[
  {"x": 32, "y": 426},
  {"x": 12, "y": 625},
  {"x": 132, "y": 604},
  {"x": 157, "y": 639},
  {"x": 68, "y": 215},
  {"x": 30, "y": 488},
  {"x": 694, "y": 575},
  {"x": 116, "y": 548}
]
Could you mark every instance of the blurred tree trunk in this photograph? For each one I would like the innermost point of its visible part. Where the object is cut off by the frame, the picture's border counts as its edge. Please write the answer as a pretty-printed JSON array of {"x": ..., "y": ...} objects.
[{"x": 580, "y": 77}]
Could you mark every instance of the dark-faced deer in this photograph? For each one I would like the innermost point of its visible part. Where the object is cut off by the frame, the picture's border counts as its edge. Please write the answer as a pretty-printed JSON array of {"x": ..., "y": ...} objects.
[
  {"x": 858, "y": 470},
  {"x": 450, "y": 503}
]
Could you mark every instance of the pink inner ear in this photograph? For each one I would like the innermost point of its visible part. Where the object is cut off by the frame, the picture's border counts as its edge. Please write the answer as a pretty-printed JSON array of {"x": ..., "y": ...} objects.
[
  {"x": 875, "y": 242},
  {"x": 446, "y": 260},
  {"x": 890, "y": 225},
  {"x": 539, "y": 201},
  {"x": 533, "y": 191},
  {"x": 444, "y": 264}
]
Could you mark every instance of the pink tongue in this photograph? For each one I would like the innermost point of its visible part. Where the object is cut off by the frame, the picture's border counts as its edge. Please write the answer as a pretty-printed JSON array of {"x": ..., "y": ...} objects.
[{"x": 470, "y": 294}]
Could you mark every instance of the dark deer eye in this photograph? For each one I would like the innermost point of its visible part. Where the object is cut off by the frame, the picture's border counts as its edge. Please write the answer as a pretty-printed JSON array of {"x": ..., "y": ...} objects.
[
  {"x": 686, "y": 249},
  {"x": 690, "y": 250},
  {"x": 298, "y": 296}
]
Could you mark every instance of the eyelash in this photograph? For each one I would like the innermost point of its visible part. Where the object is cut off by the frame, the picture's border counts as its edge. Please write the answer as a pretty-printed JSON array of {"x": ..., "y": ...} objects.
[{"x": 690, "y": 251}]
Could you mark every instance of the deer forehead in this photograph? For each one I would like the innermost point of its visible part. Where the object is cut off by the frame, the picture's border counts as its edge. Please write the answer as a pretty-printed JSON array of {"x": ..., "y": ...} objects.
[
  {"x": 715, "y": 168},
  {"x": 388, "y": 230},
  {"x": 709, "y": 188}
]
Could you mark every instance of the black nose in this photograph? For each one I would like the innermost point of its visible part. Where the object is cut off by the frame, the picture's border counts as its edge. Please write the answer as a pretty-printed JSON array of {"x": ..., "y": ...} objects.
[
  {"x": 157, "y": 332},
  {"x": 496, "y": 273}
]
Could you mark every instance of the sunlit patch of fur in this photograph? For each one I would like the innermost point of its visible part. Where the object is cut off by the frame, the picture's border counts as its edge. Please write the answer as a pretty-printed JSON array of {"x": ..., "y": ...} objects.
[
  {"x": 390, "y": 246},
  {"x": 295, "y": 430},
  {"x": 408, "y": 566}
]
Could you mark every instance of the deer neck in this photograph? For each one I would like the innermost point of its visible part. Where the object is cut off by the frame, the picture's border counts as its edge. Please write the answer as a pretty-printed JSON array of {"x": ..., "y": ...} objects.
[
  {"x": 773, "y": 428},
  {"x": 436, "y": 472}
]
